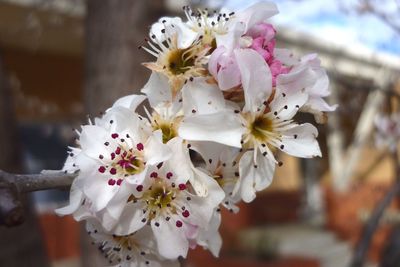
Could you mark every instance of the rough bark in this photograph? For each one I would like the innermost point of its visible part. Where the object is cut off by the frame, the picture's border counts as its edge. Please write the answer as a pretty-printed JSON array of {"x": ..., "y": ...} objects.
[
  {"x": 20, "y": 246},
  {"x": 114, "y": 29}
]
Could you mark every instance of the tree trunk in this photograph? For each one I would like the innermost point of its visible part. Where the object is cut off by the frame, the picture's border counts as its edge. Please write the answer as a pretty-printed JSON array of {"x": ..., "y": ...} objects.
[
  {"x": 20, "y": 246},
  {"x": 114, "y": 30}
]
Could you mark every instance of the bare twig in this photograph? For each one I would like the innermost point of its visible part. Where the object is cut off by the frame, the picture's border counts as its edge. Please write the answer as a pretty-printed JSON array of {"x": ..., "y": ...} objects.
[
  {"x": 335, "y": 139},
  {"x": 36, "y": 182},
  {"x": 12, "y": 185},
  {"x": 370, "y": 168},
  {"x": 387, "y": 16},
  {"x": 373, "y": 223},
  {"x": 11, "y": 210}
]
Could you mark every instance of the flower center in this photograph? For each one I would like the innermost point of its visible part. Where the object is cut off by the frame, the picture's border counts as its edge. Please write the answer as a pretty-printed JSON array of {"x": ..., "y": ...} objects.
[
  {"x": 160, "y": 199},
  {"x": 130, "y": 163},
  {"x": 125, "y": 161},
  {"x": 260, "y": 129},
  {"x": 181, "y": 60},
  {"x": 168, "y": 127},
  {"x": 124, "y": 242},
  {"x": 160, "y": 196}
]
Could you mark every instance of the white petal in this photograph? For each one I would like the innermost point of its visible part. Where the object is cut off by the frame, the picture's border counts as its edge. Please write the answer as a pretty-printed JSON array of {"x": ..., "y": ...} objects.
[
  {"x": 125, "y": 121},
  {"x": 210, "y": 152},
  {"x": 157, "y": 89},
  {"x": 321, "y": 86},
  {"x": 155, "y": 151},
  {"x": 70, "y": 165},
  {"x": 305, "y": 144},
  {"x": 206, "y": 186},
  {"x": 229, "y": 76},
  {"x": 92, "y": 141},
  {"x": 319, "y": 104},
  {"x": 210, "y": 237},
  {"x": 116, "y": 205},
  {"x": 131, "y": 219},
  {"x": 297, "y": 79},
  {"x": 184, "y": 34},
  {"x": 83, "y": 214},
  {"x": 286, "y": 105},
  {"x": 97, "y": 190},
  {"x": 213, "y": 62},
  {"x": 256, "y": 78},
  {"x": 285, "y": 56},
  {"x": 257, "y": 13},
  {"x": 138, "y": 179},
  {"x": 230, "y": 40},
  {"x": 171, "y": 240},
  {"x": 202, "y": 208},
  {"x": 179, "y": 162},
  {"x": 75, "y": 201},
  {"x": 201, "y": 97},
  {"x": 223, "y": 66},
  {"x": 222, "y": 127},
  {"x": 253, "y": 178},
  {"x": 131, "y": 101}
]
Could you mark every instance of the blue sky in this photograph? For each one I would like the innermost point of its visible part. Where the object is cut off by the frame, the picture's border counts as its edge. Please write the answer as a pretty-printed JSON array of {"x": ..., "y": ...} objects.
[{"x": 324, "y": 19}]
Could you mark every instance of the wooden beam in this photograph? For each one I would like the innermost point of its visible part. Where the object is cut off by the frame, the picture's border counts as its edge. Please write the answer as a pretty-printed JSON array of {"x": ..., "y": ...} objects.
[{"x": 363, "y": 129}]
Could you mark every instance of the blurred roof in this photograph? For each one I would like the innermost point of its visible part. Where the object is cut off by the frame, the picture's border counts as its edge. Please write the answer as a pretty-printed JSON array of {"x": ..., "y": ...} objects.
[
  {"x": 35, "y": 26},
  {"x": 347, "y": 60}
]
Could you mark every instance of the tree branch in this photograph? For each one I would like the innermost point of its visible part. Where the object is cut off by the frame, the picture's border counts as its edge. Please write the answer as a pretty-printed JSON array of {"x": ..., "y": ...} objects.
[
  {"x": 12, "y": 185},
  {"x": 373, "y": 223},
  {"x": 36, "y": 182},
  {"x": 366, "y": 6}
]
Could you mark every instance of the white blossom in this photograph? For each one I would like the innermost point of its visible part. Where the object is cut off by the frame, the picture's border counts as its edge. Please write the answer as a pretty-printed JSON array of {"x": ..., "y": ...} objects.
[
  {"x": 115, "y": 158},
  {"x": 134, "y": 250},
  {"x": 166, "y": 201}
]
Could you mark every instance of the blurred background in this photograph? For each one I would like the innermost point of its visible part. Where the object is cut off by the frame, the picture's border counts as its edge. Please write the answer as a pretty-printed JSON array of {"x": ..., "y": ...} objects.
[{"x": 63, "y": 59}]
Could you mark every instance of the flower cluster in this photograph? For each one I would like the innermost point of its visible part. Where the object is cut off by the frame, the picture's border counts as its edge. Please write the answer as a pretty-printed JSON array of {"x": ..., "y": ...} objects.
[{"x": 223, "y": 101}]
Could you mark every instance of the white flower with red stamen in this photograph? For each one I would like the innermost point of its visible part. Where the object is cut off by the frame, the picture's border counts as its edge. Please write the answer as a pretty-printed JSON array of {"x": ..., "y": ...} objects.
[
  {"x": 167, "y": 202},
  {"x": 168, "y": 113},
  {"x": 387, "y": 130},
  {"x": 134, "y": 250},
  {"x": 115, "y": 158}
]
